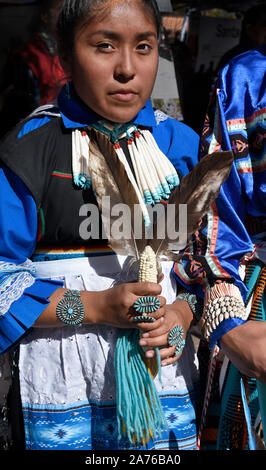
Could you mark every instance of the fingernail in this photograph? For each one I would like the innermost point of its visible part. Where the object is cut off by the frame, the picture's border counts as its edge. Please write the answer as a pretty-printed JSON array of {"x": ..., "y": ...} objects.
[
  {"x": 142, "y": 342},
  {"x": 145, "y": 335},
  {"x": 149, "y": 354}
]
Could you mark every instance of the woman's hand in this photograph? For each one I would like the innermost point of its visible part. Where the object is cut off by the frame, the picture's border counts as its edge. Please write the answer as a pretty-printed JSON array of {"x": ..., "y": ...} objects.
[
  {"x": 115, "y": 306},
  {"x": 245, "y": 346},
  {"x": 112, "y": 306},
  {"x": 176, "y": 314}
]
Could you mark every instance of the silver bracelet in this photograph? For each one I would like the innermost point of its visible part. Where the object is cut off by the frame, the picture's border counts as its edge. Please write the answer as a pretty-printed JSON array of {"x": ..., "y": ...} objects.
[
  {"x": 70, "y": 309},
  {"x": 193, "y": 302}
]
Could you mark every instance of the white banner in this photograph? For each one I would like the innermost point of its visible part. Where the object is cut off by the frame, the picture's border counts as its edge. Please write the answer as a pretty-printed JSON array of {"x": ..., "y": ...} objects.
[
  {"x": 216, "y": 36},
  {"x": 165, "y": 5}
]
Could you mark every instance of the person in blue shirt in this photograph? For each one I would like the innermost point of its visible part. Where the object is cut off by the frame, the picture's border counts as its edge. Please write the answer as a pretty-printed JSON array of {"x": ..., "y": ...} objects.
[
  {"x": 230, "y": 251},
  {"x": 60, "y": 311}
]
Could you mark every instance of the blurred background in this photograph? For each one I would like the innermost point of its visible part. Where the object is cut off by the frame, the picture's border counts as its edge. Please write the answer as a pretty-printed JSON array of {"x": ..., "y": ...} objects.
[
  {"x": 197, "y": 39},
  {"x": 196, "y": 36}
]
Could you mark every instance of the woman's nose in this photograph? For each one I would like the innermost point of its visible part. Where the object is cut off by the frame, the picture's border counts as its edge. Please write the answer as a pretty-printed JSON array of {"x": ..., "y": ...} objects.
[{"x": 125, "y": 68}]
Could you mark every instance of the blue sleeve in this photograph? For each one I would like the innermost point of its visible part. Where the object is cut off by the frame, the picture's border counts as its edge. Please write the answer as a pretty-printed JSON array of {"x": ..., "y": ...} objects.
[
  {"x": 179, "y": 143},
  {"x": 23, "y": 297}
]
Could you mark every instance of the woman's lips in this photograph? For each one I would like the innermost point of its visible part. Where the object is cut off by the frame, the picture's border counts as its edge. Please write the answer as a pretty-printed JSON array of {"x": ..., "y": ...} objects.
[{"x": 123, "y": 95}]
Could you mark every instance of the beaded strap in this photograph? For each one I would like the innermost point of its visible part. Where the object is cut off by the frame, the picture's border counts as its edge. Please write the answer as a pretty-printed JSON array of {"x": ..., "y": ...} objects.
[
  {"x": 219, "y": 310},
  {"x": 223, "y": 302}
]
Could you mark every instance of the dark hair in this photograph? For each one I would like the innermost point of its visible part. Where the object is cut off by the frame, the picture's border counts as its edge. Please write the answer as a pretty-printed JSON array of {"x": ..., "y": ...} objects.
[
  {"x": 46, "y": 5},
  {"x": 253, "y": 16},
  {"x": 75, "y": 12}
]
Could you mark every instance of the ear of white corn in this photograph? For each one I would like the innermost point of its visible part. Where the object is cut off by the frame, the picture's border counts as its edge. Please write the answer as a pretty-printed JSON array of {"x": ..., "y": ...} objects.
[
  {"x": 143, "y": 416},
  {"x": 148, "y": 272},
  {"x": 148, "y": 266}
]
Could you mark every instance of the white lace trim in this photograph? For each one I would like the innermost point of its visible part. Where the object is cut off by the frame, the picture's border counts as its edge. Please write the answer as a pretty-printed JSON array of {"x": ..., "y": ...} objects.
[
  {"x": 20, "y": 278},
  {"x": 15, "y": 290},
  {"x": 160, "y": 116},
  {"x": 6, "y": 267}
]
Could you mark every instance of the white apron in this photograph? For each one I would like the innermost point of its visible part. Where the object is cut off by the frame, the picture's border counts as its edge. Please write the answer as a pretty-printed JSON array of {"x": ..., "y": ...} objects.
[{"x": 67, "y": 366}]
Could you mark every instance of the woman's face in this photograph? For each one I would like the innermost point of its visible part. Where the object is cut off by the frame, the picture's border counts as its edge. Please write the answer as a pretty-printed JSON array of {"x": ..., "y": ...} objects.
[{"x": 114, "y": 61}]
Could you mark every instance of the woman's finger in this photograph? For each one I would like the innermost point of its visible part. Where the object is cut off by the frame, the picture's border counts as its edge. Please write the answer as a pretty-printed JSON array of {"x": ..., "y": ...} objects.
[
  {"x": 169, "y": 360},
  {"x": 168, "y": 352},
  {"x": 161, "y": 299},
  {"x": 158, "y": 329},
  {"x": 154, "y": 342},
  {"x": 159, "y": 313},
  {"x": 146, "y": 327},
  {"x": 145, "y": 288},
  {"x": 167, "y": 355}
]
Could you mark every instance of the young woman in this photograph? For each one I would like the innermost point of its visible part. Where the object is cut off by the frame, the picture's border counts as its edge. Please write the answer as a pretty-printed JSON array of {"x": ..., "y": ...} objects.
[{"x": 66, "y": 374}]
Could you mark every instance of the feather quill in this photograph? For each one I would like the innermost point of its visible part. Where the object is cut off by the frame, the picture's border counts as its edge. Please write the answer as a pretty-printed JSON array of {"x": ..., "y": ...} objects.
[
  {"x": 110, "y": 178},
  {"x": 198, "y": 189}
]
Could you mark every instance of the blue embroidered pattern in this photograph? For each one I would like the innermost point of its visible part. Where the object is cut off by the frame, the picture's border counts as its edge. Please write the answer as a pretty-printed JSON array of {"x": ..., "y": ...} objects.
[{"x": 92, "y": 425}]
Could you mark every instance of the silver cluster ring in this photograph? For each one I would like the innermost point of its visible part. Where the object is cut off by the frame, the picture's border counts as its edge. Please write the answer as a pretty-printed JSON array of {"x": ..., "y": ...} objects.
[
  {"x": 176, "y": 338},
  {"x": 147, "y": 304}
]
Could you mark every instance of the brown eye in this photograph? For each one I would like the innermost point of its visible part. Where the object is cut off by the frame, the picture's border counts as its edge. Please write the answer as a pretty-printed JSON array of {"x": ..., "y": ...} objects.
[
  {"x": 144, "y": 47},
  {"x": 105, "y": 46}
]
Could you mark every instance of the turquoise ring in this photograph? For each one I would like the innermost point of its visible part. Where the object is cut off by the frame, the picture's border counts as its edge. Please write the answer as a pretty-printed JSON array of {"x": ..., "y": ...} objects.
[
  {"x": 176, "y": 338},
  {"x": 147, "y": 304}
]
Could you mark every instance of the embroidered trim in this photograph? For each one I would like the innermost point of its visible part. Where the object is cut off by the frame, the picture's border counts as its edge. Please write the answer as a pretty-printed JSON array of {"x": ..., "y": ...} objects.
[
  {"x": 248, "y": 122},
  {"x": 13, "y": 281},
  {"x": 13, "y": 290},
  {"x": 68, "y": 426},
  {"x": 251, "y": 166},
  {"x": 6, "y": 267}
]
